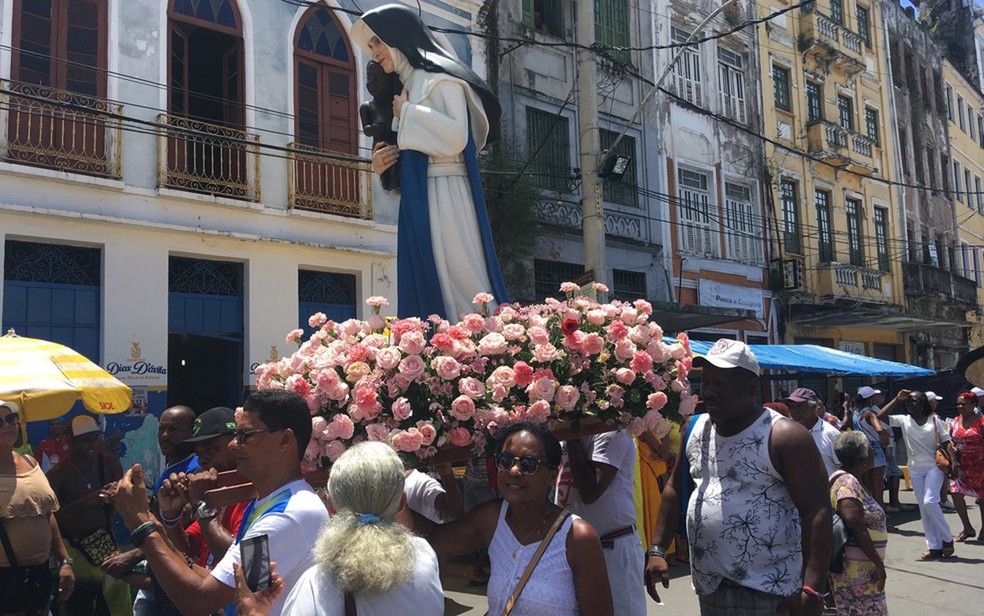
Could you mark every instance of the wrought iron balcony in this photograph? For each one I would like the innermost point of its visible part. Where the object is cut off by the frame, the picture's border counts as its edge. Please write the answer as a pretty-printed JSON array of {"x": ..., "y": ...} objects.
[
  {"x": 329, "y": 182},
  {"x": 56, "y": 129},
  {"x": 831, "y": 43},
  {"x": 208, "y": 158},
  {"x": 842, "y": 147},
  {"x": 927, "y": 280}
]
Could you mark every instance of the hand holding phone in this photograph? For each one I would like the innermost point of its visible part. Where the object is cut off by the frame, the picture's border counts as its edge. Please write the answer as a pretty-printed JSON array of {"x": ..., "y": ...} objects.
[{"x": 254, "y": 554}]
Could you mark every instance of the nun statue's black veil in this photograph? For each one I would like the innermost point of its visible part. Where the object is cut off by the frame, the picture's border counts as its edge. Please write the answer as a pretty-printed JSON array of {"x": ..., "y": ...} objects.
[{"x": 400, "y": 27}]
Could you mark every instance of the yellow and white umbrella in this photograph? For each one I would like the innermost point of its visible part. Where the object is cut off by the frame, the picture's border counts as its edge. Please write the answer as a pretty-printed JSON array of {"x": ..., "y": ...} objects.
[{"x": 46, "y": 379}]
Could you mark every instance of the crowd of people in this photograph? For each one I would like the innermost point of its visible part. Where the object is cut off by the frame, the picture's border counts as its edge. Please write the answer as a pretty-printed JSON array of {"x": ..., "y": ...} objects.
[{"x": 746, "y": 493}]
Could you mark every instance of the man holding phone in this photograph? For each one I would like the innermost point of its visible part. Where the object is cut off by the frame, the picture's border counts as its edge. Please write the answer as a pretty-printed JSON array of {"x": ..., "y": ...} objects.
[{"x": 272, "y": 432}]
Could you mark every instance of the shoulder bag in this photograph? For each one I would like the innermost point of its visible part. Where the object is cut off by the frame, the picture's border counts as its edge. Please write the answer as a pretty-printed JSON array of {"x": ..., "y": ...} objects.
[
  {"x": 943, "y": 461},
  {"x": 841, "y": 534},
  {"x": 533, "y": 561}
]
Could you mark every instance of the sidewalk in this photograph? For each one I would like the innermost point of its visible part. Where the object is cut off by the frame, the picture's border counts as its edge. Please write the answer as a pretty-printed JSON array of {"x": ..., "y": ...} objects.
[{"x": 953, "y": 587}]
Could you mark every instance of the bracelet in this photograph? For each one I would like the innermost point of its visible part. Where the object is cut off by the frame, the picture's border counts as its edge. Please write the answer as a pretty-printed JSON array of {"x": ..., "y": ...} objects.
[
  {"x": 657, "y": 551},
  {"x": 171, "y": 522},
  {"x": 813, "y": 593},
  {"x": 140, "y": 533}
]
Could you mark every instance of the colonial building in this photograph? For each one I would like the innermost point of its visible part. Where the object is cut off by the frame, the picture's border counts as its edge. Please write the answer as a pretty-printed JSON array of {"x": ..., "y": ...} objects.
[
  {"x": 835, "y": 266},
  {"x": 185, "y": 181}
]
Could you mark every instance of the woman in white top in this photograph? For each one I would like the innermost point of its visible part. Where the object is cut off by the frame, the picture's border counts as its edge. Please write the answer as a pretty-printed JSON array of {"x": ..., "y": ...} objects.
[
  {"x": 570, "y": 577},
  {"x": 363, "y": 554},
  {"x": 922, "y": 429}
]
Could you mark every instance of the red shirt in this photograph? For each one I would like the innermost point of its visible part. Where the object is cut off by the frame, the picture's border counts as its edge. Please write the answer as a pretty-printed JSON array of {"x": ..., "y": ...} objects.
[
  {"x": 56, "y": 450},
  {"x": 231, "y": 516}
]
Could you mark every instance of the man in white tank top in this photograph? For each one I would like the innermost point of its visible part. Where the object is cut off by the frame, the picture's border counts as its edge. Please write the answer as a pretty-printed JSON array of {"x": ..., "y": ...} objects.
[{"x": 758, "y": 517}]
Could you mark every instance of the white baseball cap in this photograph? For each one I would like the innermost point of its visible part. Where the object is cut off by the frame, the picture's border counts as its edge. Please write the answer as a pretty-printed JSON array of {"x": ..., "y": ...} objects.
[
  {"x": 866, "y": 392},
  {"x": 932, "y": 397},
  {"x": 727, "y": 354},
  {"x": 13, "y": 406},
  {"x": 83, "y": 424}
]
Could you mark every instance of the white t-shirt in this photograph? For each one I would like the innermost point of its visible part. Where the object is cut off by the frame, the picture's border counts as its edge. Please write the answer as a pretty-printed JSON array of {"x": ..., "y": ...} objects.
[
  {"x": 422, "y": 491},
  {"x": 616, "y": 507},
  {"x": 823, "y": 435},
  {"x": 291, "y": 534},
  {"x": 920, "y": 441},
  {"x": 315, "y": 593}
]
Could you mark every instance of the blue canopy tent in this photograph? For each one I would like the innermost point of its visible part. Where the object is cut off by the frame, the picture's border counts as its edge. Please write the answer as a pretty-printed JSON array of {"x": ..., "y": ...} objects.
[{"x": 811, "y": 358}]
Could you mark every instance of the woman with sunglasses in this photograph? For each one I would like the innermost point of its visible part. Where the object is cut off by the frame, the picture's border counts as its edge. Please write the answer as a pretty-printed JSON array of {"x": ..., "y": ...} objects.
[
  {"x": 29, "y": 534},
  {"x": 570, "y": 576}
]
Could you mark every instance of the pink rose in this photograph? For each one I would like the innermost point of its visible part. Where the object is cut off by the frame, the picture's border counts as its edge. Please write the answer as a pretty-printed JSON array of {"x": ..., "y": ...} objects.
[
  {"x": 298, "y": 384},
  {"x": 629, "y": 316},
  {"x": 599, "y": 287},
  {"x": 499, "y": 392},
  {"x": 427, "y": 431},
  {"x": 523, "y": 373},
  {"x": 677, "y": 351},
  {"x": 460, "y": 437},
  {"x": 412, "y": 366},
  {"x": 641, "y": 362},
  {"x": 388, "y": 358},
  {"x": 442, "y": 342},
  {"x": 295, "y": 336},
  {"x": 412, "y": 343},
  {"x": 644, "y": 307},
  {"x": 677, "y": 386},
  {"x": 483, "y": 298},
  {"x": 344, "y": 427},
  {"x": 656, "y": 401},
  {"x": 542, "y": 389},
  {"x": 596, "y": 317},
  {"x": 593, "y": 344},
  {"x": 471, "y": 387},
  {"x": 317, "y": 319},
  {"x": 446, "y": 367},
  {"x": 334, "y": 449},
  {"x": 617, "y": 330},
  {"x": 513, "y": 331},
  {"x": 473, "y": 322},
  {"x": 318, "y": 425},
  {"x": 313, "y": 451},
  {"x": 538, "y": 335},
  {"x": 625, "y": 376},
  {"x": 504, "y": 375},
  {"x": 624, "y": 349},
  {"x": 658, "y": 351},
  {"x": 687, "y": 404},
  {"x": 406, "y": 440},
  {"x": 538, "y": 412},
  {"x": 376, "y": 322},
  {"x": 401, "y": 409},
  {"x": 377, "y": 301},
  {"x": 338, "y": 391},
  {"x": 639, "y": 334},
  {"x": 492, "y": 344},
  {"x": 567, "y": 396},
  {"x": 377, "y": 432},
  {"x": 569, "y": 287},
  {"x": 545, "y": 353},
  {"x": 463, "y": 408}
]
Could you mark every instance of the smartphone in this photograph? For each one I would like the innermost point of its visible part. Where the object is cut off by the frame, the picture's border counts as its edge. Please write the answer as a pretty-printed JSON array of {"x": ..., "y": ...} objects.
[{"x": 255, "y": 557}]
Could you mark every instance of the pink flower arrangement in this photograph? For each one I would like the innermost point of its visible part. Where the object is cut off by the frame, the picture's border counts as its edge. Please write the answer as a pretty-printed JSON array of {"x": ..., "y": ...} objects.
[{"x": 422, "y": 385}]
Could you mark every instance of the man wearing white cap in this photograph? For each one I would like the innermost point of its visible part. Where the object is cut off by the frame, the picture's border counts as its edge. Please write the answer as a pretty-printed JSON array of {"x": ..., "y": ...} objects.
[{"x": 768, "y": 549}]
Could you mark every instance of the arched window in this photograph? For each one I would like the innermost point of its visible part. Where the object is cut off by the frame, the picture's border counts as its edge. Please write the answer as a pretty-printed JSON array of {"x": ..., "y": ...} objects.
[{"x": 325, "y": 97}]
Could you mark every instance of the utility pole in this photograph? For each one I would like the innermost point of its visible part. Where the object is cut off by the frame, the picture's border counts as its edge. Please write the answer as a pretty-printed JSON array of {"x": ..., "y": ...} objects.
[{"x": 592, "y": 212}]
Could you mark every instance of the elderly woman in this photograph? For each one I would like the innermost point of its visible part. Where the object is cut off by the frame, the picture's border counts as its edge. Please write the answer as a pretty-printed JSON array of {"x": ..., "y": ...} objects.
[
  {"x": 860, "y": 589},
  {"x": 570, "y": 577},
  {"x": 29, "y": 534},
  {"x": 967, "y": 431},
  {"x": 364, "y": 556}
]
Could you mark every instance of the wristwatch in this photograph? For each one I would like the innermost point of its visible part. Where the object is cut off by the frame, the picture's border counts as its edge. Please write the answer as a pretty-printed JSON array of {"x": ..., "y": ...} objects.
[
  {"x": 203, "y": 512},
  {"x": 655, "y": 550},
  {"x": 66, "y": 561}
]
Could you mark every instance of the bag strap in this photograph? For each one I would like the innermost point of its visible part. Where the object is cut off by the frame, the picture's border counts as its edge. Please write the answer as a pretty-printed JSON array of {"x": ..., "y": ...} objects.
[
  {"x": 9, "y": 549},
  {"x": 350, "y": 607},
  {"x": 936, "y": 429},
  {"x": 536, "y": 558}
]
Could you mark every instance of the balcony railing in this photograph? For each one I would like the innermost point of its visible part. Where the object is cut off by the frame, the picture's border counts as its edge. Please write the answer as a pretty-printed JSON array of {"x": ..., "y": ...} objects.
[
  {"x": 837, "y": 144},
  {"x": 329, "y": 182},
  {"x": 841, "y": 280},
  {"x": 923, "y": 279},
  {"x": 837, "y": 44},
  {"x": 208, "y": 158},
  {"x": 57, "y": 129}
]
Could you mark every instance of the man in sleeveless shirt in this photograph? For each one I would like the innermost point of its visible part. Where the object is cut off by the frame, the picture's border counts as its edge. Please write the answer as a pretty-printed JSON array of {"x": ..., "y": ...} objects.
[
  {"x": 272, "y": 432},
  {"x": 758, "y": 518}
]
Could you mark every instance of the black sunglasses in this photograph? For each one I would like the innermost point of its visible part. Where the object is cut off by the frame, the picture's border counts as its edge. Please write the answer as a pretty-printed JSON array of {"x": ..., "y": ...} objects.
[
  {"x": 528, "y": 465},
  {"x": 12, "y": 419},
  {"x": 242, "y": 436}
]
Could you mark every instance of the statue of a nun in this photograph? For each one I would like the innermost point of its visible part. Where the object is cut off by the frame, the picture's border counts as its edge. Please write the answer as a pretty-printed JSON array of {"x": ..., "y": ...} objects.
[{"x": 444, "y": 116}]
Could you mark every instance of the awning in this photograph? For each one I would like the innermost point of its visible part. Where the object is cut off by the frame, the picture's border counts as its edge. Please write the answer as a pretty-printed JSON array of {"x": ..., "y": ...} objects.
[{"x": 817, "y": 359}]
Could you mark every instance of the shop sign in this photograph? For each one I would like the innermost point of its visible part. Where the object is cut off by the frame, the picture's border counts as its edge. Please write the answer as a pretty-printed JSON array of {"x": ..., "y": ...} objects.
[{"x": 723, "y": 295}]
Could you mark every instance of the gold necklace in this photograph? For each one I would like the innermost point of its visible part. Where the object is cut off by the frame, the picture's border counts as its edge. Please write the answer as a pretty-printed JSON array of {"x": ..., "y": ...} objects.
[{"x": 532, "y": 533}]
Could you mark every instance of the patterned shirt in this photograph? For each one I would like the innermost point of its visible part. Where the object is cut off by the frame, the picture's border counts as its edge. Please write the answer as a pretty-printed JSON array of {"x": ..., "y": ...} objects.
[{"x": 741, "y": 521}]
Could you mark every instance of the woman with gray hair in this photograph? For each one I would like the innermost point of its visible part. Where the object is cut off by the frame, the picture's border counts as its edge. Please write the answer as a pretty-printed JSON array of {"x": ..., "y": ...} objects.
[
  {"x": 364, "y": 557},
  {"x": 860, "y": 588}
]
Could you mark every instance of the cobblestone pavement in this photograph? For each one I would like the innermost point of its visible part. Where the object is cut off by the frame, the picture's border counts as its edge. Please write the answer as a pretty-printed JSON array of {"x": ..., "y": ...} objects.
[{"x": 951, "y": 588}]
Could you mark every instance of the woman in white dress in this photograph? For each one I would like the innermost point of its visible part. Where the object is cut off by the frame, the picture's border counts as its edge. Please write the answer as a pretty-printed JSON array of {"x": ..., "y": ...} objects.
[
  {"x": 445, "y": 115},
  {"x": 570, "y": 578},
  {"x": 363, "y": 554}
]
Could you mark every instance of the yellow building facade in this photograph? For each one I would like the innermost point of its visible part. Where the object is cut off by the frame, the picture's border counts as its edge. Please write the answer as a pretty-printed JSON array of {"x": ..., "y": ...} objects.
[
  {"x": 965, "y": 182},
  {"x": 835, "y": 263}
]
